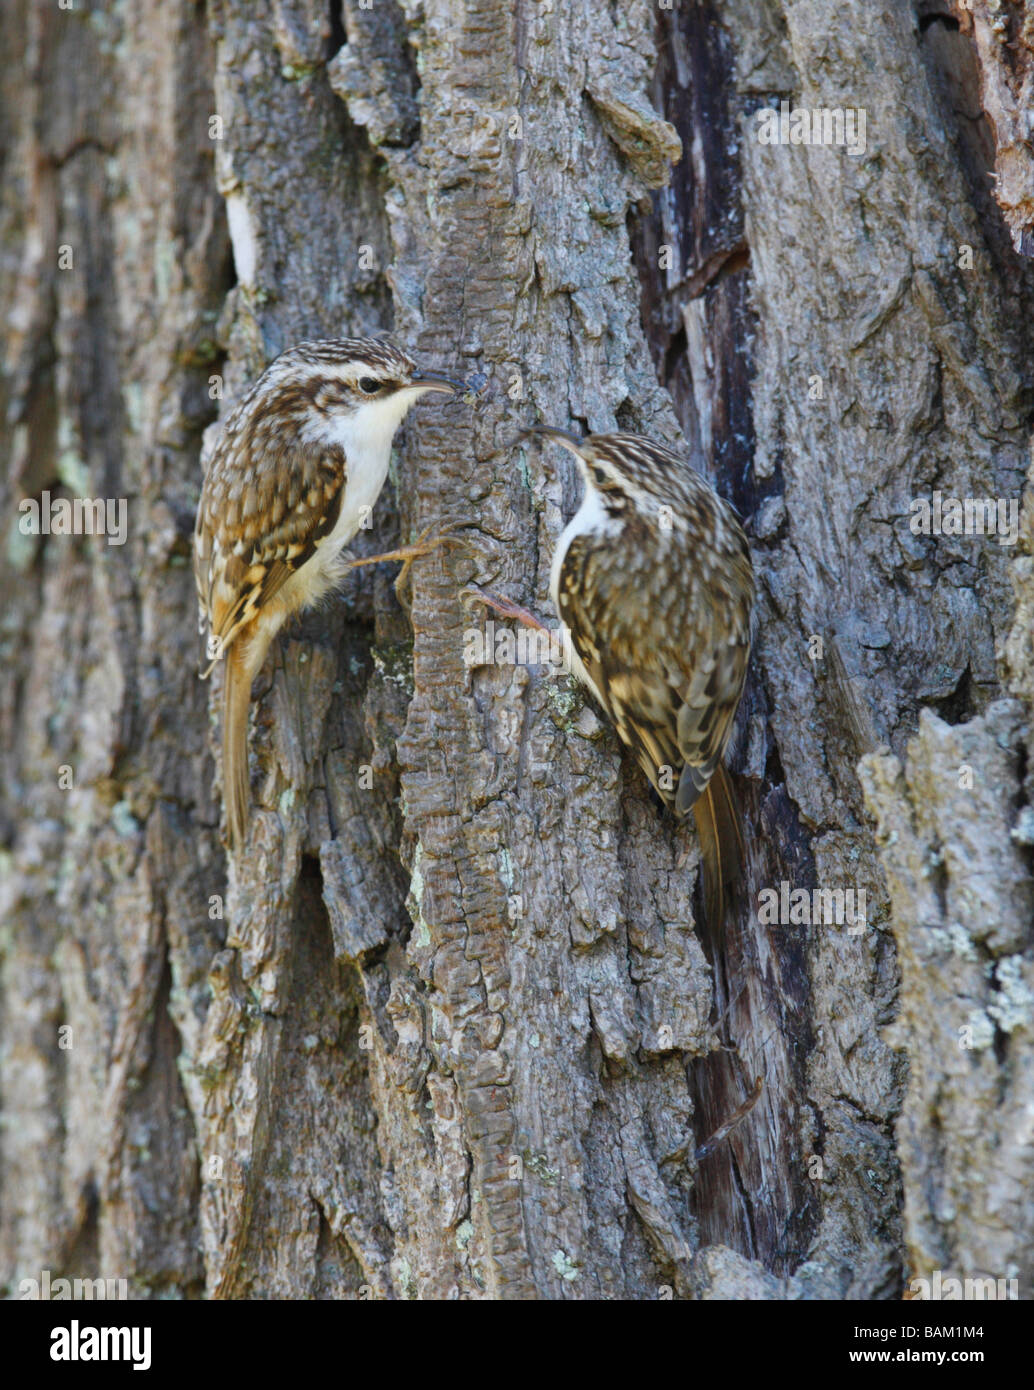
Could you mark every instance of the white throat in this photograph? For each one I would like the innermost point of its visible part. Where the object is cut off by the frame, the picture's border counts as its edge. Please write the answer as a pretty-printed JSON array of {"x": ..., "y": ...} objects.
[
  {"x": 366, "y": 438},
  {"x": 591, "y": 518}
]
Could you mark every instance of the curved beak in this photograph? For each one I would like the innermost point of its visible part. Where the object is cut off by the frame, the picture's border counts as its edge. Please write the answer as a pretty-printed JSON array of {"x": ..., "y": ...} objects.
[
  {"x": 573, "y": 443},
  {"x": 432, "y": 381},
  {"x": 550, "y": 432}
]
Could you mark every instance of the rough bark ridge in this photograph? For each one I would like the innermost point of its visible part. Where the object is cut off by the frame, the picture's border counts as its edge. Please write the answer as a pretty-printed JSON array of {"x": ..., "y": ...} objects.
[
  {"x": 1003, "y": 35},
  {"x": 449, "y": 1029}
]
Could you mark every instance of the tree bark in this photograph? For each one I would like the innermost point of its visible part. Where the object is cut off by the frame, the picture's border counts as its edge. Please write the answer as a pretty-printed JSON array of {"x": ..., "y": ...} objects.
[{"x": 452, "y": 1027}]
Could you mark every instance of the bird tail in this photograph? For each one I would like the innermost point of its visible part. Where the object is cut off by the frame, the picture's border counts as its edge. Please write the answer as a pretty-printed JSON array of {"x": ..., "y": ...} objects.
[
  {"x": 721, "y": 846},
  {"x": 237, "y": 679}
]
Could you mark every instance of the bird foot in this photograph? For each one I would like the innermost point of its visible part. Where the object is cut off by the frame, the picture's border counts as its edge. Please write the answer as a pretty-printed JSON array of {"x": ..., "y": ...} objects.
[
  {"x": 424, "y": 544},
  {"x": 506, "y": 607}
]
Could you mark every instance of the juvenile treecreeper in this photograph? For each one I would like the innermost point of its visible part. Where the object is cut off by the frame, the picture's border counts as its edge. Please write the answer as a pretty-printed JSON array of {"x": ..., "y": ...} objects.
[{"x": 653, "y": 581}]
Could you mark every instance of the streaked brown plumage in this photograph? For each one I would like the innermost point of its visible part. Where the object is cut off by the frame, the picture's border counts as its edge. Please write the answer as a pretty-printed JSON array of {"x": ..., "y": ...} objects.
[
  {"x": 653, "y": 580},
  {"x": 296, "y": 470}
]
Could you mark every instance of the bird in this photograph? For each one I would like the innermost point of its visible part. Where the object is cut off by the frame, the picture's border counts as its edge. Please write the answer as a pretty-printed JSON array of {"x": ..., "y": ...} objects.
[
  {"x": 653, "y": 584},
  {"x": 294, "y": 474}
]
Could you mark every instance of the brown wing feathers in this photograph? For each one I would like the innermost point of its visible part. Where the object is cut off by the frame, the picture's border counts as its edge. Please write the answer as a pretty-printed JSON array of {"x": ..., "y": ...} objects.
[
  {"x": 672, "y": 692},
  {"x": 243, "y": 566}
]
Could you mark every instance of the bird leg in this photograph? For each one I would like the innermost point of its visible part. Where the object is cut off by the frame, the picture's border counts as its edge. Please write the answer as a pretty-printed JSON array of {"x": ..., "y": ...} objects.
[
  {"x": 424, "y": 544},
  {"x": 507, "y": 608}
]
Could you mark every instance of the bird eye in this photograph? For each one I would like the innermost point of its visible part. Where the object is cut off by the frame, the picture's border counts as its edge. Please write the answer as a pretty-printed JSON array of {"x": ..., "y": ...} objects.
[{"x": 369, "y": 385}]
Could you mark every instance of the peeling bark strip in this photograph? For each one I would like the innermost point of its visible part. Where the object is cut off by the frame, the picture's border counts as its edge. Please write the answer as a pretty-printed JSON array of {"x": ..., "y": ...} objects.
[
  {"x": 960, "y": 886},
  {"x": 450, "y": 1031},
  {"x": 1003, "y": 35}
]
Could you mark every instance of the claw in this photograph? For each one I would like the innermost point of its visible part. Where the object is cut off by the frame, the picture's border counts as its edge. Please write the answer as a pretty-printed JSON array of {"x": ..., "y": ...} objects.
[
  {"x": 506, "y": 607},
  {"x": 424, "y": 544}
]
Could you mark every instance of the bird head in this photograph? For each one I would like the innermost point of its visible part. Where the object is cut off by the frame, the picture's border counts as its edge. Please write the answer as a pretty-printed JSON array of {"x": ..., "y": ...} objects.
[{"x": 344, "y": 390}]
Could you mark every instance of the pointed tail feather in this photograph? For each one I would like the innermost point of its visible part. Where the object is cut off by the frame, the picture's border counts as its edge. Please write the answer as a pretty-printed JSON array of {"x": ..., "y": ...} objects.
[
  {"x": 236, "y": 782},
  {"x": 721, "y": 846}
]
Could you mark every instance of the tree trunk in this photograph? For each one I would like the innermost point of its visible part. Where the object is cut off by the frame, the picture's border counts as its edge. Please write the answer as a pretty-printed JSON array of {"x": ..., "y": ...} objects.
[{"x": 452, "y": 1026}]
